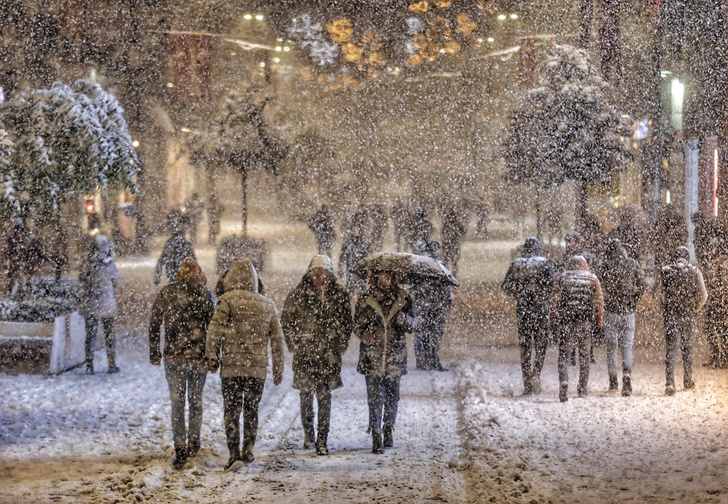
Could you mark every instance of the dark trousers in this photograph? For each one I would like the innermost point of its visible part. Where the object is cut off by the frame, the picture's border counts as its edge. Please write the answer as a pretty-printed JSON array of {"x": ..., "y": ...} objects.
[
  {"x": 716, "y": 332},
  {"x": 575, "y": 334},
  {"x": 533, "y": 337},
  {"x": 428, "y": 336},
  {"x": 92, "y": 328},
  {"x": 323, "y": 395},
  {"x": 186, "y": 379},
  {"x": 241, "y": 394},
  {"x": 679, "y": 334},
  {"x": 382, "y": 398}
]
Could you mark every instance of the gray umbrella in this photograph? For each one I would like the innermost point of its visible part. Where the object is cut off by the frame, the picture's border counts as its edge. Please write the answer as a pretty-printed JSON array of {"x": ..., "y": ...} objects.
[{"x": 410, "y": 268}]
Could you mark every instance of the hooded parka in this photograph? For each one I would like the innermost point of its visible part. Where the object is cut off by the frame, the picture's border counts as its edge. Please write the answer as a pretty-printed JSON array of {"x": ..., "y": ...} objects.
[
  {"x": 99, "y": 278},
  {"x": 243, "y": 326},
  {"x": 317, "y": 330}
]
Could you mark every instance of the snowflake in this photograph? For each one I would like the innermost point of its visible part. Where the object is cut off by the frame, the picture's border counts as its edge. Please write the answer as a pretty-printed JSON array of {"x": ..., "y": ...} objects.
[
  {"x": 305, "y": 29},
  {"x": 324, "y": 53}
]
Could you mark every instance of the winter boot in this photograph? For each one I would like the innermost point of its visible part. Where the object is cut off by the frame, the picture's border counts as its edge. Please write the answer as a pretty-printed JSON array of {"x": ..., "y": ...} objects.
[
  {"x": 581, "y": 392},
  {"x": 387, "y": 436},
  {"x": 626, "y": 383},
  {"x": 689, "y": 384},
  {"x": 563, "y": 390},
  {"x": 670, "y": 387},
  {"x": 247, "y": 453},
  {"x": 438, "y": 366},
  {"x": 89, "y": 368},
  {"x": 377, "y": 443},
  {"x": 234, "y": 457},
  {"x": 180, "y": 458},
  {"x": 536, "y": 385},
  {"x": 113, "y": 368},
  {"x": 321, "y": 448},
  {"x": 613, "y": 383},
  {"x": 308, "y": 437},
  {"x": 193, "y": 446}
]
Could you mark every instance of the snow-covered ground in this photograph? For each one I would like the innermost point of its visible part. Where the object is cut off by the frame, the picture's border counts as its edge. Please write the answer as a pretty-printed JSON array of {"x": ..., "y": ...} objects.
[{"x": 466, "y": 436}]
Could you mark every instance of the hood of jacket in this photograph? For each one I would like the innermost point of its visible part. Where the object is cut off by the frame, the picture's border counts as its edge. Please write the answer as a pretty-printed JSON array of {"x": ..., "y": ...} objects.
[
  {"x": 242, "y": 276},
  {"x": 531, "y": 247},
  {"x": 576, "y": 263},
  {"x": 191, "y": 269},
  {"x": 102, "y": 250}
]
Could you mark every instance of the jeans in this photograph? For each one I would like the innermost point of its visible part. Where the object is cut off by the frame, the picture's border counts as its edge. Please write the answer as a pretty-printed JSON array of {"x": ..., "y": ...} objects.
[
  {"x": 241, "y": 394},
  {"x": 382, "y": 398},
  {"x": 185, "y": 378},
  {"x": 619, "y": 330},
  {"x": 323, "y": 394},
  {"x": 575, "y": 334},
  {"x": 680, "y": 331},
  {"x": 92, "y": 328},
  {"x": 533, "y": 327}
]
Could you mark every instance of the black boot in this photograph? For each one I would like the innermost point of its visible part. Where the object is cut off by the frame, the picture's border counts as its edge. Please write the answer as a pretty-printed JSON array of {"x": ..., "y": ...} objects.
[
  {"x": 563, "y": 390},
  {"x": 234, "y": 457},
  {"x": 321, "y": 448},
  {"x": 613, "y": 383},
  {"x": 308, "y": 437},
  {"x": 193, "y": 446},
  {"x": 377, "y": 443},
  {"x": 89, "y": 368},
  {"x": 247, "y": 453},
  {"x": 180, "y": 458},
  {"x": 387, "y": 437},
  {"x": 626, "y": 384}
]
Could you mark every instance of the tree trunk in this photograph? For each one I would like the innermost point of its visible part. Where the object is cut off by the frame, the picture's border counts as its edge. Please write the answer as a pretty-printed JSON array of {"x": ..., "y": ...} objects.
[
  {"x": 581, "y": 205},
  {"x": 539, "y": 221},
  {"x": 244, "y": 173}
]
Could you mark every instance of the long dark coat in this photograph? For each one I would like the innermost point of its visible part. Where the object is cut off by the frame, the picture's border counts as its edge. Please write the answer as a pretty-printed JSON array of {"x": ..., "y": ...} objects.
[
  {"x": 386, "y": 355},
  {"x": 317, "y": 332}
]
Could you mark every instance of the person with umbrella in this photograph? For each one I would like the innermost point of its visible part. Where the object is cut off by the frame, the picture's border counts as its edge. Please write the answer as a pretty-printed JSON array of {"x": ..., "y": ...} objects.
[{"x": 382, "y": 318}]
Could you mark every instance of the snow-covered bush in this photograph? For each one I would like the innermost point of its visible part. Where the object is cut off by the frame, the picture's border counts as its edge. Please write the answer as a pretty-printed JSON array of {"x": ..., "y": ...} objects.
[
  {"x": 567, "y": 129},
  {"x": 66, "y": 140}
]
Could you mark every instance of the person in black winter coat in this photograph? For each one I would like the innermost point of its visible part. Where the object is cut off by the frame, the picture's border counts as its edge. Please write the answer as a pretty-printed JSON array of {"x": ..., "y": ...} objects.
[
  {"x": 577, "y": 309},
  {"x": 185, "y": 308},
  {"x": 175, "y": 250},
  {"x": 321, "y": 225},
  {"x": 316, "y": 322},
  {"x": 683, "y": 295},
  {"x": 622, "y": 285},
  {"x": 529, "y": 281},
  {"x": 383, "y": 317}
]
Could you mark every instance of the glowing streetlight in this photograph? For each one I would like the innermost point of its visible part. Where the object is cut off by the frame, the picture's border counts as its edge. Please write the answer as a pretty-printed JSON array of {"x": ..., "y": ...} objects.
[
  {"x": 286, "y": 49},
  {"x": 491, "y": 40},
  {"x": 135, "y": 143},
  {"x": 262, "y": 64},
  {"x": 279, "y": 48},
  {"x": 276, "y": 60},
  {"x": 514, "y": 16},
  {"x": 248, "y": 17},
  {"x": 501, "y": 17},
  {"x": 259, "y": 17}
]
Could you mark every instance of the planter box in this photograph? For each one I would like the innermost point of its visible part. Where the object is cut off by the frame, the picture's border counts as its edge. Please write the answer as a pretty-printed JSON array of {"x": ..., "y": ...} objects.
[{"x": 43, "y": 347}]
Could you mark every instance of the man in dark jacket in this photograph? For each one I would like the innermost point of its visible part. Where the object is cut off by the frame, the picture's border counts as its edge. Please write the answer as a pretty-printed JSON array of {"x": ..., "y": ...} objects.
[
  {"x": 316, "y": 321},
  {"x": 577, "y": 308},
  {"x": 382, "y": 318},
  {"x": 529, "y": 281},
  {"x": 432, "y": 301},
  {"x": 185, "y": 308},
  {"x": 623, "y": 285},
  {"x": 321, "y": 225},
  {"x": 175, "y": 250},
  {"x": 683, "y": 295}
]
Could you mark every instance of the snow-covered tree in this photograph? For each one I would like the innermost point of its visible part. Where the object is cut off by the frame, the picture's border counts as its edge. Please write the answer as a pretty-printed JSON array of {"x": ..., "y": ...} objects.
[
  {"x": 246, "y": 141},
  {"x": 66, "y": 140},
  {"x": 567, "y": 129}
]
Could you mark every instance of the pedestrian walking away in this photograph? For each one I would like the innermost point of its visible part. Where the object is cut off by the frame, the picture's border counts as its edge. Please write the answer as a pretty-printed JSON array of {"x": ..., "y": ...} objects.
[
  {"x": 175, "y": 250},
  {"x": 623, "y": 284},
  {"x": 245, "y": 323},
  {"x": 317, "y": 325},
  {"x": 577, "y": 308},
  {"x": 432, "y": 300},
  {"x": 99, "y": 278},
  {"x": 683, "y": 294},
  {"x": 529, "y": 281},
  {"x": 383, "y": 317},
  {"x": 184, "y": 308},
  {"x": 321, "y": 225}
]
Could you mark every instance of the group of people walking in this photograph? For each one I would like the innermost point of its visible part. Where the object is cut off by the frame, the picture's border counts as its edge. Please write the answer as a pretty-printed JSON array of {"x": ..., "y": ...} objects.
[{"x": 577, "y": 300}]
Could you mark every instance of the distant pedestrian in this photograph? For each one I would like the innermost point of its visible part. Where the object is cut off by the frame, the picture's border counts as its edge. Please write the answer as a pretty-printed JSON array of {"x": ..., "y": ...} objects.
[
  {"x": 577, "y": 308},
  {"x": 215, "y": 208},
  {"x": 623, "y": 284},
  {"x": 455, "y": 217},
  {"x": 353, "y": 250},
  {"x": 175, "y": 250},
  {"x": 529, "y": 281},
  {"x": 419, "y": 229},
  {"x": 321, "y": 225},
  {"x": 99, "y": 278},
  {"x": 383, "y": 317},
  {"x": 669, "y": 232},
  {"x": 377, "y": 222},
  {"x": 243, "y": 326},
  {"x": 683, "y": 295},
  {"x": 195, "y": 206},
  {"x": 185, "y": 308},
  {"x": 432, "y": 301},
  {"x": 316, "y": 321},
  {"x": 716, "y": 311},
  {"x": 400, "y": 218}
]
